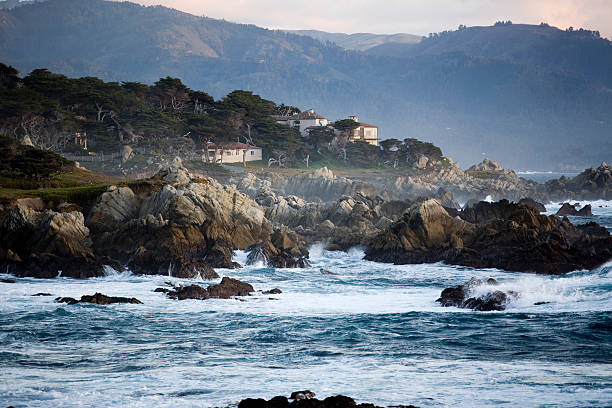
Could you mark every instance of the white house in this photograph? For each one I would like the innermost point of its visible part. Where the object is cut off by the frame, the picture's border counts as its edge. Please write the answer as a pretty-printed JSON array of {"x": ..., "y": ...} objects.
[
  {"x": 234, "y": 153},
  {"x": 303, "y": 120},
  {"x": 365, "y": 132}
]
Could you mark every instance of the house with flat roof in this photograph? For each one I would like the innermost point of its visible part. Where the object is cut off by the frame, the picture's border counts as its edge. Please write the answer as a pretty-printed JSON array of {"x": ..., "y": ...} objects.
[
  {"x": 365, "y": 132},
  {"x": 302, "y": 121}
]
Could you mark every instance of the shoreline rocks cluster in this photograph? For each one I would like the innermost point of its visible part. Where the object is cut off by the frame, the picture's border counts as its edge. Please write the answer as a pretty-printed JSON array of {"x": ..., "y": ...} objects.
[
  {"x": 172, "y": 224},
  {"x": 500, "y": 235}
]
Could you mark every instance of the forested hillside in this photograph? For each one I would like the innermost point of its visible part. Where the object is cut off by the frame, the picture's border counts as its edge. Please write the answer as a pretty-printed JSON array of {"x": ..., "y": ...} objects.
[
  {"x": 512, "y": 101},
  {"x": 168, "y": 118}
]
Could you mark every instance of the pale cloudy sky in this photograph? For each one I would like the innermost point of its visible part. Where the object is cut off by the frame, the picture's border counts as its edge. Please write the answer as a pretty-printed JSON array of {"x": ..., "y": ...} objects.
[{"x": 393, "y": 16}]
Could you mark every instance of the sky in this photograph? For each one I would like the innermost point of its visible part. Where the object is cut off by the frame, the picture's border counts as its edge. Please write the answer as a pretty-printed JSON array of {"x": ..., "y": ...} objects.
[{"x": 419, "y": 17}]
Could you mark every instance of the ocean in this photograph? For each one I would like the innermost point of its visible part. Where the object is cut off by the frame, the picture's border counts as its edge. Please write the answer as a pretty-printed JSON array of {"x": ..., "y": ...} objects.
[{"x": 371, "y": 331}]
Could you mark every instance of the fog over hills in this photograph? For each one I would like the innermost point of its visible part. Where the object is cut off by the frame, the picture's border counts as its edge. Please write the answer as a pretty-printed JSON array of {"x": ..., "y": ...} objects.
[{"x": 531, "y": 97}]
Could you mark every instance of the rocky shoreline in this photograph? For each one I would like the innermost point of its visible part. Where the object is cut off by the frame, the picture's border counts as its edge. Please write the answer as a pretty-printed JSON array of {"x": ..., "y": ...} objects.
[{"x": 184, "y": 226}]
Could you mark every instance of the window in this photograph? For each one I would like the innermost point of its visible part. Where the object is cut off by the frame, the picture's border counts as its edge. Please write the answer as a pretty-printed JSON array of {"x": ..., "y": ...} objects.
[
  {"x": 252, "y": 152},
  {"x": 228, "y": 153}
]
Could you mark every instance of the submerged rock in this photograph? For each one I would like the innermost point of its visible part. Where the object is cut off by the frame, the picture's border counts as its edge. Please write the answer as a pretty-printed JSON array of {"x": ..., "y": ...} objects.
[
  {"x": 226, "y": 289},
  {"x": 98, "y": 299}
]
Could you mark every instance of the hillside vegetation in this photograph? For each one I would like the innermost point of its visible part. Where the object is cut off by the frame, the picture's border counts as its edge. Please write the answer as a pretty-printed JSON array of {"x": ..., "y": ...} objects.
[
  {"x": 170, "y": 119},
  {"x": 527, "y": 96}
]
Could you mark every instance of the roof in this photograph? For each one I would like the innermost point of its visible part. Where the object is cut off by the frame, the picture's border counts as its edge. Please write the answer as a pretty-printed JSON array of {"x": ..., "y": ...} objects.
[
  {"x": 362, "y": 124},
  {"x": 232, "y": 146}
]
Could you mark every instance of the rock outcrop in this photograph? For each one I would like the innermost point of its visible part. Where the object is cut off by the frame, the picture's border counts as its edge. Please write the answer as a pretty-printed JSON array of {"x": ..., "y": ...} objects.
[
  {"x": 180, "y": 226},
  {"x": 498, "y": 235},
  {"x": 284, "y": 249},
  {"x": 98, "y": 299},
  {"x": 46, "y": 243},
  {"x": 486, "y": 165},
  {"x": 488, "y": 299},
  {"x": 568, "y": 209},
  {"x": 227, "y": 289},
  {"x": 591, "y": 184}
]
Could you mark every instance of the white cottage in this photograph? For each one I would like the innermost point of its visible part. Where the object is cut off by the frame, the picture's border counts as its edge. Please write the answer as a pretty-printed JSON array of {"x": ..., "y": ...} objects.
[{"x": 234, "y": 153}]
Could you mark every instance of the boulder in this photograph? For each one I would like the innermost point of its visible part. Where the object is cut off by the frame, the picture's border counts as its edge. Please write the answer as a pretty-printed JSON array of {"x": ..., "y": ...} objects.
[
  {"x": 98, "y": 299},
  {"x": 226, "y": 289},
  {"x": 568, "y": 209},
  {"x": 461, "y": 296},
  {"x": 284, "y": 249}
]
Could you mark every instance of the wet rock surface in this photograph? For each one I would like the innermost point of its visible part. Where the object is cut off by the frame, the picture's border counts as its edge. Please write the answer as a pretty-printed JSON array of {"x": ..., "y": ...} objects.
[
  {"x": 284, "y": 249},
  {"x": 491, "y": 235},
  {"x": 462, "y": 296},
  {"x": 568, "y": 209},
  {"x": 227, "y": 289},
  {"x": 306, "y": 399},
  {"x": 98, "y": 299},
  {"x": 42, "y": 243}
]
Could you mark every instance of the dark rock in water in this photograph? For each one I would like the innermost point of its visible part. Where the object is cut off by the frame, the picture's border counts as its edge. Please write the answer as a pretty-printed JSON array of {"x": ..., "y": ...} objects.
[
  {"x": 585, "y": 211},
  {"x": 195, "y": 268},
  {"x": 305, "y": 399},
  {"x": 568, "y": 209},
  {"x": 226, "y": 289},
  {"x": 98, "y": 299},
  {"x": 459, "y": 296},
  {"x": 275, "y": 291},
  {"x": 540, "y": 303},
  {"x": 161, "y": 290},
  {"x": 69, "y": 300},
  {"x": 284, "y": 250},
  {"x": 188, "y": 292},
  {"x": 326, "y": 272},
  {"x": 7, "y": 280},
  {"x": 42, "y": 294},
  {"x": 230, "y": 287},
  {"x": 500, "y": 235},
  {"x": 301, "y": 395},
  {"x": 530, "y": 202}
]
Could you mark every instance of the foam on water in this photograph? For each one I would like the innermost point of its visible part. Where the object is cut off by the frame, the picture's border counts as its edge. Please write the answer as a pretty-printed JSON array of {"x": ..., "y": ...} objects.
[{"x": 369, "y": 330}]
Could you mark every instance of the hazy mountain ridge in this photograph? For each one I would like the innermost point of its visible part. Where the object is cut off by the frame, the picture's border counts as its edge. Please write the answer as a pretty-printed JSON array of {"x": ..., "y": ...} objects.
[
  {"x": 359, "y": 41},
  {"x": 514, "y": 110}
]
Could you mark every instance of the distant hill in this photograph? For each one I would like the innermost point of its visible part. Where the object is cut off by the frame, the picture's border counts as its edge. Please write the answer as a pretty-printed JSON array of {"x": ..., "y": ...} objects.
[
  {"x": 579, "y": 51},
  {"x": 359, "y": 41},
  {"x": 529, "y": 97}
]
